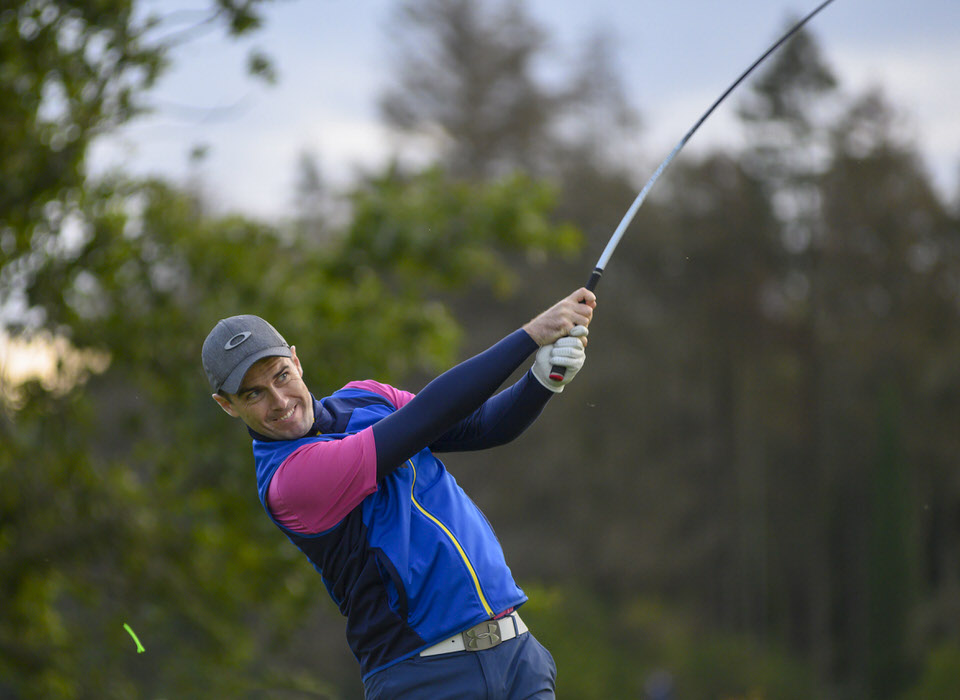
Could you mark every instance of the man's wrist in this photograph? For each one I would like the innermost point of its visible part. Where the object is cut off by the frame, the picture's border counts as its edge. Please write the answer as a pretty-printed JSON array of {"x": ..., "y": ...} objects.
[{"x": 531, "y": 330}]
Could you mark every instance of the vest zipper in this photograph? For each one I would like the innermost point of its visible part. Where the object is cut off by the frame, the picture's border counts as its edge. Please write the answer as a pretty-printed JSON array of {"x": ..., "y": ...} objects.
[{"x": 463, "y": 555}]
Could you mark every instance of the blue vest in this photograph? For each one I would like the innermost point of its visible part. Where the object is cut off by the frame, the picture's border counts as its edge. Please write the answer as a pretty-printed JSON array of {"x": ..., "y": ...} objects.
[{"x": 413, "y": 564}]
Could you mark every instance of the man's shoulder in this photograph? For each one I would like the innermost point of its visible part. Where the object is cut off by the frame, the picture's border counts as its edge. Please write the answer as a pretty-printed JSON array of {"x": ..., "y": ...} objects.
[
  {"x": 371, "y": 385},
  {"x": 396, "y": 397}
]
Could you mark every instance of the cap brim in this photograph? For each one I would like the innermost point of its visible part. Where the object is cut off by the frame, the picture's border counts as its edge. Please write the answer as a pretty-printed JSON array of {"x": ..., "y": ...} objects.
[{"x": 232, "y": 383}]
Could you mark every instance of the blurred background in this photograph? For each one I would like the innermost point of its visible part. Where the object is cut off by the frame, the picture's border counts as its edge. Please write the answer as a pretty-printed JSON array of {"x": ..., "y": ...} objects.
[{"x": 751, "y": 490}]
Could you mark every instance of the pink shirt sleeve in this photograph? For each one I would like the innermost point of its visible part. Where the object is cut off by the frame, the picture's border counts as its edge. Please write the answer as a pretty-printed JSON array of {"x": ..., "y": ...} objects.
[{"x": 321, "y": 482}]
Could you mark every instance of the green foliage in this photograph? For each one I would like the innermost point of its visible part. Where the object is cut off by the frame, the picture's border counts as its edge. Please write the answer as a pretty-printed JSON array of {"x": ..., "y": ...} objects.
[
  {"x": 406, "y": 228},
  {"x": 72, "y": 70}
]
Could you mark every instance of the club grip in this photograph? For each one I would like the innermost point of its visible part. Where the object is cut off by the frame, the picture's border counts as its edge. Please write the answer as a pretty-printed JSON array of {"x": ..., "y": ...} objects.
[{"x": 557, "y": 373}]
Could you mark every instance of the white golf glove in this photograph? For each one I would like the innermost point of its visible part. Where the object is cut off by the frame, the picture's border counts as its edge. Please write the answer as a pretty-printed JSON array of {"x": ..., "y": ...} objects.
[{"x": 567, "y": 352}]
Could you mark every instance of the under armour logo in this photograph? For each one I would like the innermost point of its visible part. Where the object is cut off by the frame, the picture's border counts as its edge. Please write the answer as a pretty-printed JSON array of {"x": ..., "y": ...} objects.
[
  {"x": 489, "y": 638},
  {"x": 236, "y": 340}
]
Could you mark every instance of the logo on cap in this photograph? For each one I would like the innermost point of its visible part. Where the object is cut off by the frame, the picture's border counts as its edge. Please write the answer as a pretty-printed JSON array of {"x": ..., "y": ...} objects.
[{"x": 236, "y": 340}]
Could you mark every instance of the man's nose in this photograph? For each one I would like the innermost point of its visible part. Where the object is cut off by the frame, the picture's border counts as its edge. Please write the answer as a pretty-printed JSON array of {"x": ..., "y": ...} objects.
[{"x": 277, "y": 400}]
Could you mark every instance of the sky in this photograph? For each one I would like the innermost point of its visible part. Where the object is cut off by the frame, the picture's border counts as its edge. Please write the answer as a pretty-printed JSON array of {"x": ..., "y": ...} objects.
[{"x": 676, "y": 57}]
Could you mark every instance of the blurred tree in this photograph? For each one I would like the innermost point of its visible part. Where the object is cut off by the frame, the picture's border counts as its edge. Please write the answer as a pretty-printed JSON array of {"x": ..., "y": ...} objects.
[
  {"x": 73, "y": 70},
  {"x": 889, "y": 564},
  {"x": 395, "y": 234},
  {"x": 786, "y": 122},
  {"x": 595, "y": 149},
  {"x": 893, "y": 321},
  {"x": 465, "y": 80},
  {"x": 857, "y": 298},
  {"x": 786, "y": 113},
  {"x": 311, "y": 205}
]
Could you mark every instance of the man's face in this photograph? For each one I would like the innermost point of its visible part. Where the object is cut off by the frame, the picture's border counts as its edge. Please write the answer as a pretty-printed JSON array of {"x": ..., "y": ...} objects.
[{"x": 272, "y": 399}]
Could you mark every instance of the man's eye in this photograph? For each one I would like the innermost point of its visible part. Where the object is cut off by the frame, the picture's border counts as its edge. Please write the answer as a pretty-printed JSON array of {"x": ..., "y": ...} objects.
[
  {"x": 253, "y": 395},
  {"x": 284, "y": 376}
]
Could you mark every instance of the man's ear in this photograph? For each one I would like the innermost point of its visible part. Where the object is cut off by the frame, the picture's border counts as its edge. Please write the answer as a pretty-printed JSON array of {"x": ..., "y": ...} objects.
[
  {"x": 226, "y": 405},
  {"x": 296, "y": 360}
]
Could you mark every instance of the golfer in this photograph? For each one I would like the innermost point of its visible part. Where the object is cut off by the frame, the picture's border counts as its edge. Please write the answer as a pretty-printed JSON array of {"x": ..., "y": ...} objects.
[{"x": 353, "y": 481}]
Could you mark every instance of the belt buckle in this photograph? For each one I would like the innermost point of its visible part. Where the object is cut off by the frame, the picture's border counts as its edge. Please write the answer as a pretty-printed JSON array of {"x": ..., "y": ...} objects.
[{"x": 486, "y": 635}]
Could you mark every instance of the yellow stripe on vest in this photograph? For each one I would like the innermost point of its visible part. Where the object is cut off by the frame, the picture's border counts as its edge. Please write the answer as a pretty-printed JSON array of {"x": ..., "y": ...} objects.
[{"x": 463, "y": 555}]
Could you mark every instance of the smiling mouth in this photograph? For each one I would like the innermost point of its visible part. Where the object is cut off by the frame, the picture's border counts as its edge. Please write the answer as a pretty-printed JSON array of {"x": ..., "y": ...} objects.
[{"x": 286, "y": 415}]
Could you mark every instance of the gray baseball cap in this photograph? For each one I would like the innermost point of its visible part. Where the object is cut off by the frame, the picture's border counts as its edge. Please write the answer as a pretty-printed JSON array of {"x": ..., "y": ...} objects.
[{"x": 233, "y": 346}]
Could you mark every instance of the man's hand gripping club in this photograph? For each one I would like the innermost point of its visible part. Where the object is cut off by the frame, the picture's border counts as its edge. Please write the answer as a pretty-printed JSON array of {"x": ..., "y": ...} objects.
[{"x": 561, "y": 332}]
